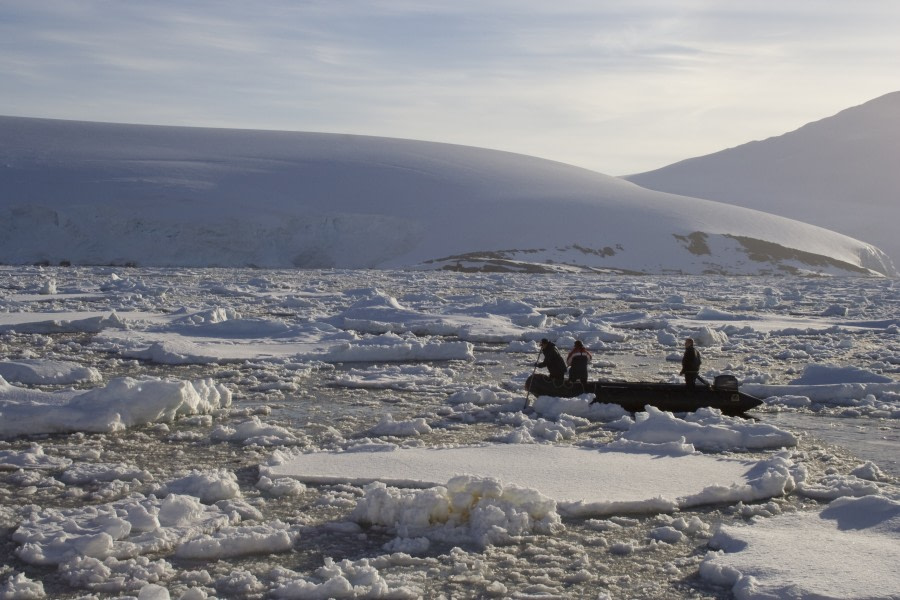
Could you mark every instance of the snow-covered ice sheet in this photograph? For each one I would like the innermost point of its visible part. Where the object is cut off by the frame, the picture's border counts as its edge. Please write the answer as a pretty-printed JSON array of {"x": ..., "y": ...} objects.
[
  {"x": 583, "y": 481},
  {"x": 846, "y": 551},
  {"x": 41, "y": 371},
  {"x": 124, "y": 402}
]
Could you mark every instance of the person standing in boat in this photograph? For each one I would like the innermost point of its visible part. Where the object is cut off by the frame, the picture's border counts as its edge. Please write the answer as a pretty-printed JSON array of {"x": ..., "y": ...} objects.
[
  {"x": 578, "y": 360},
  {"x": 553, "y": 360},
  {"x": 690, "y": 364}
]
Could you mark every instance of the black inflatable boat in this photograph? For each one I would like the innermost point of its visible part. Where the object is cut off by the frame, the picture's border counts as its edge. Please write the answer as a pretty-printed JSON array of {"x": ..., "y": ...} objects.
[{"x": 634, "y": 396}]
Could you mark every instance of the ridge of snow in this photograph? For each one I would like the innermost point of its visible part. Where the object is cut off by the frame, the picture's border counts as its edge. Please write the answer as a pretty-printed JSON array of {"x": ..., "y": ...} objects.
[
  {"x": 839, "y": 173},
  {"x": 99, "y": 193}
]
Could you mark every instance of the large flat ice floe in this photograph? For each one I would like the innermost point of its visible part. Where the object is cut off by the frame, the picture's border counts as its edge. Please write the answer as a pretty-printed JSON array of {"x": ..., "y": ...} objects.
[
  {"x": 848, "y": 550},
  {"x": 583, "y": 481}
]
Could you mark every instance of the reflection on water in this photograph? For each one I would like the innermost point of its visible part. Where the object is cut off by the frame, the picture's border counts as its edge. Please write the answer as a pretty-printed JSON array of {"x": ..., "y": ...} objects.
[{"x": 876, "y": 440}]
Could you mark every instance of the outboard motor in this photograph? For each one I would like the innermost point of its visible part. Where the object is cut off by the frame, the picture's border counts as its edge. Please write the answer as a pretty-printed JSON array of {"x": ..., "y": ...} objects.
[{"x": 726, "y": 382}]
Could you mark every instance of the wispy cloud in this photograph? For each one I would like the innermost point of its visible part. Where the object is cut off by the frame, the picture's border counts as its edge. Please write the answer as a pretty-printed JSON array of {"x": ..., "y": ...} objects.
[{"x": 619, "y": 88}]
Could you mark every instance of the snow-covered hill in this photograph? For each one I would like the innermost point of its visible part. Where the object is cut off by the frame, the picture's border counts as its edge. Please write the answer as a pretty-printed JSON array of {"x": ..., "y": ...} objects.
[
  {"x": 841, "y": 173},
  {"x": 93, "y": 193}
]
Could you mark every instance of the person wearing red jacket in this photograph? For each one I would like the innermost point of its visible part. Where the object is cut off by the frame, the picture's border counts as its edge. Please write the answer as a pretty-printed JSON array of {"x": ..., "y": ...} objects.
[{"x": 577, "y": 361}]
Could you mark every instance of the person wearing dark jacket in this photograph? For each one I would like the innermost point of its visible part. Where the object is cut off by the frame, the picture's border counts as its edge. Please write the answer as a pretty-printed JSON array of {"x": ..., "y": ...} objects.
[
  {"x": 690, "y": 364},
  {"x": 578, "y": 360},
  {"x": 553, "y": 360}
]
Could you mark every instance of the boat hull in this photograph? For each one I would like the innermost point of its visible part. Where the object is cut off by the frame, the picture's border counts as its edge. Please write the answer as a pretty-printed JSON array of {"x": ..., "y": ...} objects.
[{"x": 635, "y": 396}]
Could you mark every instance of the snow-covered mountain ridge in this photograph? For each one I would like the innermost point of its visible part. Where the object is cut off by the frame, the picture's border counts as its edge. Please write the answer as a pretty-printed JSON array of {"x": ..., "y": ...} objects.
[
  {"x": 839, "y": 173},
  {"x": 97, "y": 193}
]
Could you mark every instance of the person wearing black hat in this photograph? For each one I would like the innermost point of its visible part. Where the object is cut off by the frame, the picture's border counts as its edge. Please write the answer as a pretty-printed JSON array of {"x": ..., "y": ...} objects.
[
  {"x": 553, "y": 360},
  {"x": 690, "y": 364}
]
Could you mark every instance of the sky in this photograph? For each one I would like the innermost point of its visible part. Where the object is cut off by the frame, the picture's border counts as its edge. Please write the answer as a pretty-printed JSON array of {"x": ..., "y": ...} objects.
[{"x": 616, "y": 87}]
